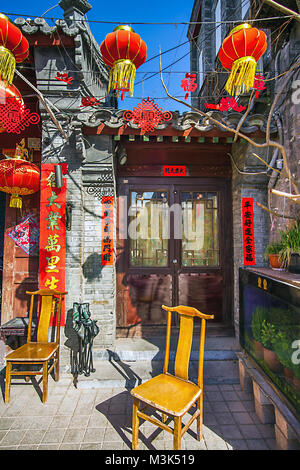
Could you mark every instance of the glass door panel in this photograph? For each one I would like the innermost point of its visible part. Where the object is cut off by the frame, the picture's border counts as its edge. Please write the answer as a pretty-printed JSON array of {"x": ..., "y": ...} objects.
[
  {"x": 200, "y": 237},
  {"x": 149, "y": 228}
]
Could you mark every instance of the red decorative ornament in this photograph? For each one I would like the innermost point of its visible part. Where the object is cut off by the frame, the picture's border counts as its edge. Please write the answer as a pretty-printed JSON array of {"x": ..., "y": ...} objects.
[
  {"x": 226, "y": 104},
  {"x": 147, "y": 115},
  {"x": 188, "y": 84},
  {"x": 90, "y": 101},
  {"x": 15, "y": 116},
  {"x": 64, "y": 77},
  {"x": 14, "y": 48},
  {"x": 259, "y": 84},
  {"x": 124, "y": 51},
  {"x": 19, "y": 177},
  {"x": 9, "y": 92},
  {"x": 239, "y": 53}
]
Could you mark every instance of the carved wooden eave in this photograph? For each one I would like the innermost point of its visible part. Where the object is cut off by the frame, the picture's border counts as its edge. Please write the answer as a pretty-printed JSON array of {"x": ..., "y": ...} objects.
[{"x": 189, "y": 124}]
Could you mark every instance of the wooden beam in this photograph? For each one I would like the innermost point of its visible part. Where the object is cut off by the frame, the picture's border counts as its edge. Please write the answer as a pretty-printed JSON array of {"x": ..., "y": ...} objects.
[{"x": 283, "y": 9}]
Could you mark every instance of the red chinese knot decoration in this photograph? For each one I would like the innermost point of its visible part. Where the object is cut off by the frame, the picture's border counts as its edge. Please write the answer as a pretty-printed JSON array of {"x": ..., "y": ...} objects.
[
  {"x": 147, "y": 115},
  {"x": 239, "y": 53},
  {"x": 248, "y": 231},
  {"x": 123, "y": 51},
  {"x": 259, "y": 84},
  {"x": 19, "y": 177},
  {"x": 14, "y": 48},
  {"x": 15, "y": 116},
  {"x": 188, "y": 84}
]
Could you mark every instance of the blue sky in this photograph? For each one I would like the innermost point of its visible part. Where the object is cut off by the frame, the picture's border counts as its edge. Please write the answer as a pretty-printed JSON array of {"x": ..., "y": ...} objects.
[{"x": 165, "y": 36}]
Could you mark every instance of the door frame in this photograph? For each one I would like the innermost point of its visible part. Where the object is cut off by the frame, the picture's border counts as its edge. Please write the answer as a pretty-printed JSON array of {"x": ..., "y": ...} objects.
[{"x": 225, "y": 230}]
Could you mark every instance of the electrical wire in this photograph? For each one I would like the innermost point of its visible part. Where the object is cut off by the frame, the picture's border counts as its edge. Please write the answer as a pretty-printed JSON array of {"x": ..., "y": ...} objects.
[{"x": 146, "y": 23}]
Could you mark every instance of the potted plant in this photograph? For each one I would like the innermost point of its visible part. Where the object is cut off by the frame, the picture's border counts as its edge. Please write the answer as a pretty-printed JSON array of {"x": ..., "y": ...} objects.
[
  {"x": 272, "y": 253},
  {"x": 290, "y": 252},
  {"x": 282, "y": 347},
  {"x": 268, "y": 337},
  {"x": 256, "y": 326}
]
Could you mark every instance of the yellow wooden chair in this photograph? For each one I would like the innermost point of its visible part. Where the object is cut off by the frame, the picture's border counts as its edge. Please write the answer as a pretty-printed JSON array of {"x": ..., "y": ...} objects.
[
  {"x": 174, "y": 395},
  {"x": 40, "y": 351}
]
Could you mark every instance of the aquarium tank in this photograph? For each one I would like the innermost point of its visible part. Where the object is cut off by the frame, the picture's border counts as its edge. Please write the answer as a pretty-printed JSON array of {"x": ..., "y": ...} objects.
[{"x": 270, "y": 330}]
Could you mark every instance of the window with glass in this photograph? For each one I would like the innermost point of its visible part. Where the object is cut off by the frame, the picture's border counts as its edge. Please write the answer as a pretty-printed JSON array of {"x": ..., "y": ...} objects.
[
  {"x": 148, "y": 228},
  {"x": 200, "y": 237}
]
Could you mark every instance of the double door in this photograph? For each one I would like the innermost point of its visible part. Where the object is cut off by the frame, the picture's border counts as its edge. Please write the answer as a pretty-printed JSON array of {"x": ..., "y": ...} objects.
[{"x": 173, "y": 248}]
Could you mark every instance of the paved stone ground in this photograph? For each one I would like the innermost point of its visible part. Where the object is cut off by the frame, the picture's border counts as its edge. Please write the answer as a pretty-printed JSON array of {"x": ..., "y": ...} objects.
[{"x": 100, "y": 419}]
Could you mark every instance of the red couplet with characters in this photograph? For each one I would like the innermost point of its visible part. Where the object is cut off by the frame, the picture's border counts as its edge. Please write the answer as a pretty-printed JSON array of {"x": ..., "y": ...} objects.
[{"x": 248, "y": 231}]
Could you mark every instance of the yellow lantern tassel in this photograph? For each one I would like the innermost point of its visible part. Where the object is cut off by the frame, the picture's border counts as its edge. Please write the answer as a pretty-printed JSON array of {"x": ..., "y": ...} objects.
[
  {"x": 122, "y": 72},
  {"x": 7, "y": 65},
  {"x": 242, "y": 75},
  {"x": 15, "y": 201}
]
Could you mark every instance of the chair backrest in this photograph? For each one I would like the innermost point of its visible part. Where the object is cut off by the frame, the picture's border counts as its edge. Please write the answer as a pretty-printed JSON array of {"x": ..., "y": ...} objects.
[
  {"x": 49, "y": 303},
  {"x": 184, "y": 345}
]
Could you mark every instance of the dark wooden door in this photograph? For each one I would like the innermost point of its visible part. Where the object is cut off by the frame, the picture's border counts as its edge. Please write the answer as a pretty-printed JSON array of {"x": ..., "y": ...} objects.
[{"x": 173, "y": 247}]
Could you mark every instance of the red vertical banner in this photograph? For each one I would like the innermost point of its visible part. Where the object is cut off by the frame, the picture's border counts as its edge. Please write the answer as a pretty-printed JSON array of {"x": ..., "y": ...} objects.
[
  {"x": 52, "y": 232},
  {"x": 248, "y": 231},
  {"x": 107, "y": 231}
]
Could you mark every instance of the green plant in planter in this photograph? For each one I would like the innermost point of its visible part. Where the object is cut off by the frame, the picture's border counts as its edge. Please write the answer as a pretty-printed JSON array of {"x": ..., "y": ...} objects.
[
  {"x": 273, "y": 249},
  {"x": 281, "y": 343},
  {"x": 268, "y": 334},
  {"x": 260, "y": 314},
  {"x": 290, "y": 240}
]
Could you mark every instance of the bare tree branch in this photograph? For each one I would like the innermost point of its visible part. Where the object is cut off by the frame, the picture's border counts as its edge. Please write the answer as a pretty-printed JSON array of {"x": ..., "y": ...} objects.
[
  {"x": 274, "y": 212},
  {"x": 284, "y": 9}
]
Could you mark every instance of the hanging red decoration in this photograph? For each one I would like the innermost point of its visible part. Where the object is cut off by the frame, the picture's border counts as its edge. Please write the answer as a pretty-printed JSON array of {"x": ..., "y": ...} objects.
[
  {"x": 64, "y": 77},
  {"x": 14, "y": 48},
  {"x": 19, "y": 177},
  {"x": 147, "y": 115},
  {"x": 239, "y": 53},
  {"x": 188, "y": 84},
  {"x": 9, "y": 92},
  {"x": 124, "y": 51},
  {"x": 90, "y": 101},
  {"x": 15, "y": 116},
  {"x": 259, "y": 84},
  {"x": 226, "y": 104}
]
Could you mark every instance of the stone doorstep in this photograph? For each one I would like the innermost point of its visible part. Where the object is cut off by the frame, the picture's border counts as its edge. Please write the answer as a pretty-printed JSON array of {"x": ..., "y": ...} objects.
[{"x": 269, "y": 407}]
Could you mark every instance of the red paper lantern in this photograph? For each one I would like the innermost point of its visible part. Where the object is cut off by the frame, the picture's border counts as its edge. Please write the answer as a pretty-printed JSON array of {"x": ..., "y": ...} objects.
[
  {"x": 6, "y": 93},
  {"x": 239, "y": 53},
  {"x": 13, "y": 48},
  {"x": 19, "y": 177},
  {"x": 124, "y": 51}
]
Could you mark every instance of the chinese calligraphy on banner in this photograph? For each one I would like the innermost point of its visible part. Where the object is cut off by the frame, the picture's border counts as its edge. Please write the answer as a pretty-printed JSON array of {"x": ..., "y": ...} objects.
[
  {"x": 107, "y": 230},
  {"x": 248, "y": 231},
  {"x": 173, "y": 170},
  {"x": 52, "y": 232}
]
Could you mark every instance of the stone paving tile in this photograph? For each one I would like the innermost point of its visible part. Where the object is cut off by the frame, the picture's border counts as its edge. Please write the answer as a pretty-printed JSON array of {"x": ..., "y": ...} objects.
[{"x": 95, "y": 419}]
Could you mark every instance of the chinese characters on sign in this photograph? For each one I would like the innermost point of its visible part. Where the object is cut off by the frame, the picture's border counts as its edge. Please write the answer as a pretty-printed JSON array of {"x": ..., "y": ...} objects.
[
  {"x": 248, "y": 231},
  {"x": 52, "y": 231},
  {"x": 171, "y": 170},
  {"x": 188, "y": 84},
  {"x": 107, "y": 231}
]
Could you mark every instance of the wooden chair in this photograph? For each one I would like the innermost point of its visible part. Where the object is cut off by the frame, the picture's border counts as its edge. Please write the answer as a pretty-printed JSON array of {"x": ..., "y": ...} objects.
[
  {"x": 41, "y": 351},
  {"x": 174, "y": 395}
]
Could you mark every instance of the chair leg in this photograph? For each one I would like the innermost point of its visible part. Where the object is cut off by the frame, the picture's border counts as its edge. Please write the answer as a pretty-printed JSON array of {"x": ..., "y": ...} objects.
[
  {"x": 56, "y": 368},
  {"x": 177, "y": 433},
  {"x": 200, "y": 418},
  {"x": 7, "y": 382},
  {"x": 135, "y": 424},
  {"x": 45, "y": 381}
]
